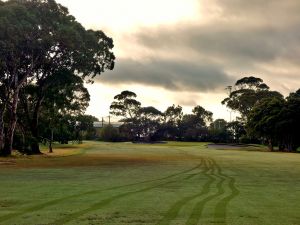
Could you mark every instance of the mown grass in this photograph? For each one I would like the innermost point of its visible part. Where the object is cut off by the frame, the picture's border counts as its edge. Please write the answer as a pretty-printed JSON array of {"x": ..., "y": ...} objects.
[{"x": 155, "y": 184}]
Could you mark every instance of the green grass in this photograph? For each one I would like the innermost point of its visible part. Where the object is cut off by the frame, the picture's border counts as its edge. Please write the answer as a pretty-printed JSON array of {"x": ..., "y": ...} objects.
[{"x": 163, "y": 184}]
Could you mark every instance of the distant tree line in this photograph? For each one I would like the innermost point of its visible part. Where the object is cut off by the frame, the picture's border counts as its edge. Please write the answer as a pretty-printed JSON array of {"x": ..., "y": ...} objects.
[
  {"x": 148, "y": 124},
  {"x": 265, "y": 117},
  {"x": 45, "y": 57}
]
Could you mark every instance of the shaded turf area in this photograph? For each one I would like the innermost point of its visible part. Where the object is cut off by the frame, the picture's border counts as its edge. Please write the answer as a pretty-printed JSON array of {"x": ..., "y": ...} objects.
[{"x": 161, "y": 184}]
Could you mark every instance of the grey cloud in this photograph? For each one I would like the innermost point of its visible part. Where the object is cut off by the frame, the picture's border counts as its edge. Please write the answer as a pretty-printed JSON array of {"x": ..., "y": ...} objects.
[
  {"x": 246, "y": 36},
  {"x": 244, "y": 32},
  {"x": 229, "y": 43},
  {"x": 271, "y": 11},
  {"x": 170, "y": 74}
]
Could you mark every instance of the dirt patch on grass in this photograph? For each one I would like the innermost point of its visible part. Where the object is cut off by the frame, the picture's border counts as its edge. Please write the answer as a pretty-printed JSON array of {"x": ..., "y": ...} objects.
[
  {"x": 90, "y": 155},
  {"x": 91, "y": 160}
]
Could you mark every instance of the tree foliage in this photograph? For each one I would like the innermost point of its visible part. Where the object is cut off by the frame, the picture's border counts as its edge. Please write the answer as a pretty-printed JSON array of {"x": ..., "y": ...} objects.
[
  {"x": 194, "y": 127},
  {"x": 39, "y": 38},
  {"x": 277, "y": 121},
  {"x": 247, "y": 92},
  {"x": 125, "y": 105},
  {"x": 150, "y": 124}
]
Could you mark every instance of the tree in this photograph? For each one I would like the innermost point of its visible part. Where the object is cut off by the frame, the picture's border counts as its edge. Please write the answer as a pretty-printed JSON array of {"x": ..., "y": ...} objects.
[
  {"x": 127, "y": 107},
  {"x": 173, "y": 114},
  {"x": 290, "y": 123},
  {"x": 171, "y": 119},
  {"x": 265, "y": 118},
  {"x": 236, "y": 130},
  {"x": 149, "y": 120},
  {"x": 248, "y": 91},
  {"x": 86, "y": 126},
  {"x": 218, "y": 131},
  {"x": 202, "y": 115},
  {"x": 37, "y": 39},
  {"x": 193, "y": 127},
  {"x": 63, "y": 93},
  {"x": 277, "y": 121}
]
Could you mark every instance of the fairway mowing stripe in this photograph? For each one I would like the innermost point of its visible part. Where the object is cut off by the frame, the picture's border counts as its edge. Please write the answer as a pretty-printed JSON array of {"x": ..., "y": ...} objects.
[
  {"x": 105, "y": 202},
  {"x": 221, "y": 208},
  {"x": 56, "y": 201},
  {"x": 198, "y": 209},
  {"x": 173, "y": 212}
]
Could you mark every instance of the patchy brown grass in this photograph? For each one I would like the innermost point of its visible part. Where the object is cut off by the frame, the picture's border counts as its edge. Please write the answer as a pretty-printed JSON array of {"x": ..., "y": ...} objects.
[{"x": 76, "y": 156}]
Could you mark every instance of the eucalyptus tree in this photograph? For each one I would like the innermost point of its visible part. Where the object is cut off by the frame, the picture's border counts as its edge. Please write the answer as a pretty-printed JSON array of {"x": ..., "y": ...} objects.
[
  {"x": 264, "y": 119},
  {"x": 126, "y": 107},
  {"x": 63, "y": 94},
  {"x": 290, "y": 123},
  {"x": 149, "y": 121},
  {"x": 202, "y": 115},
  {"x": 247, "y": 92},
  {"x": 194, "y": 127},
  {"x": 171, "y": 120},
  {"x": 37, "y": 39},
  {"x": 277, "y": 120}
]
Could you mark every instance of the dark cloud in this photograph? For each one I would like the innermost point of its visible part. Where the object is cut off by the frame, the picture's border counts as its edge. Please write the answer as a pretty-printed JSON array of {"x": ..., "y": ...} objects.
[
  {"x": 170, "y": 74},
  {"x": 244, "y": 36},
  {"x": 233, "y": 44},
  {"x": 227, "y": 42}
]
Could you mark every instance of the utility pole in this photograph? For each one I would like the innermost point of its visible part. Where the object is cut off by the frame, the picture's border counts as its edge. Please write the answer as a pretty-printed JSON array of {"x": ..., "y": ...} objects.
[{"x": 102, "y": 122}]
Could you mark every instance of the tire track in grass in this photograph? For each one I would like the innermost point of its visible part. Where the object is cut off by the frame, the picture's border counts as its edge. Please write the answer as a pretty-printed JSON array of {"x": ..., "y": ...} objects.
[
  {"x": 220, "y": 214},
  {"x": 173, "y": 212},
  {"x": 191, "y": 176},
  {"x": 196, "y": 213},
  {"x": 60, "y": 200},
  {"x": 105, "y": 202}
]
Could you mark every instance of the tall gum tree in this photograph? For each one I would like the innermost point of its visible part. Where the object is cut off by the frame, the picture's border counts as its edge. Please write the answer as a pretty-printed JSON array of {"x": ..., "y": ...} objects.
[
  {"x": 127, "y": 108},
  {"x": 247, "y": 92},
  {"x": 63, "y": 94},
  {"x": 38, "y": 38}
]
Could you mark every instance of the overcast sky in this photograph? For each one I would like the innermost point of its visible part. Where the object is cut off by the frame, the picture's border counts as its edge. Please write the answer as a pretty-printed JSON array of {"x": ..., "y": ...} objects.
[{"x": 187, "y": 51}]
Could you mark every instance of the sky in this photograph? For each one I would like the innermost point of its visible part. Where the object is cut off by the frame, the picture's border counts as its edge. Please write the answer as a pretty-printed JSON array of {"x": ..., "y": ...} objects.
[{"x": 186, "y": 52}]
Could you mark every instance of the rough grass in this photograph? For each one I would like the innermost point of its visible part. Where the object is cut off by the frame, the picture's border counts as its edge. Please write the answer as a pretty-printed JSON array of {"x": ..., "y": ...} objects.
[{"x": 161, "y": 184}]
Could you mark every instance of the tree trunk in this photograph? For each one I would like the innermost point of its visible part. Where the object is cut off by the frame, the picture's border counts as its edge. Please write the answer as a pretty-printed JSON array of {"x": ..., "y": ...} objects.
[
  {"x": 12, "y": 123},
  {"x": 50, "y": 142},
  {"x": 35, "y": 148},
  {"x": 1, "y": 132}
]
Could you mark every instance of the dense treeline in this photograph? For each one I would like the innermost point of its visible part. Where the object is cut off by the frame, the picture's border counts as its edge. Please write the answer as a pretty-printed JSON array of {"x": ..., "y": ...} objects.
[
  {"x": 265, "y": 117},
  {"x": 148, "y": 124},
  {"x": 277, "y": 121},
  {"x": 45, "y": 57}
]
